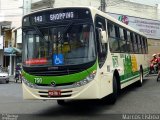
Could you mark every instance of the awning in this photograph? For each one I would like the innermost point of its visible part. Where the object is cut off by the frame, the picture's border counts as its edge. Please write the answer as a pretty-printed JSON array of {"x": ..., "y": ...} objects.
[{"x": 12, "y": 50}]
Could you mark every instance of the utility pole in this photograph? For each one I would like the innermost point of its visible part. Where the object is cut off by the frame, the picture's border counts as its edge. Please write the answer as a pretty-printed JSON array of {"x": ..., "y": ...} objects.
[
  {"x": 51, "y": 3},
  {"x": 103, "y": 5},
  {"x": 26, "y": 6},
  {"x": 1, "y": 39}
]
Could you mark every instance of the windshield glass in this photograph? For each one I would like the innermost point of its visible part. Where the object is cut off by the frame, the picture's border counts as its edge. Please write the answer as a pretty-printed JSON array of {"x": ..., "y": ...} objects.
[{"x": 59, "y": 45}]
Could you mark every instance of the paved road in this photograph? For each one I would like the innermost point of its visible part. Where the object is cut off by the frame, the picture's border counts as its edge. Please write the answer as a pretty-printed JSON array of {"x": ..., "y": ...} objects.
[{"x": 141, "y": 100}]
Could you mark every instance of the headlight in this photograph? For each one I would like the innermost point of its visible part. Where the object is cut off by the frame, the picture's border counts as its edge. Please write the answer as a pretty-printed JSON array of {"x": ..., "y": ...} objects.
[
  {"x": 28, "y": 83},
  {"x": 86, "y": 80}
]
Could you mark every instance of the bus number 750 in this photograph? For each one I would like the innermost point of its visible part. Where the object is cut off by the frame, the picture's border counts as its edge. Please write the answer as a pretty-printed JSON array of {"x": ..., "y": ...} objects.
[{"x": 38, "y": 80}]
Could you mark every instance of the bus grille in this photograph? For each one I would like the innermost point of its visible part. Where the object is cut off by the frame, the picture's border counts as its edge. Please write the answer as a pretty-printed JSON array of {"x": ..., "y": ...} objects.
[
  {"x": 54, "y": 72},
  {"x": 58, "y": 70},
  {"x": 62, "y": 84}
]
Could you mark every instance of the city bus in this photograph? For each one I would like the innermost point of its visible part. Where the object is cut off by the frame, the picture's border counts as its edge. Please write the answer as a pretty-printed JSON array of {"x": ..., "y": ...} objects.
[{"x": 78, "y": 53}]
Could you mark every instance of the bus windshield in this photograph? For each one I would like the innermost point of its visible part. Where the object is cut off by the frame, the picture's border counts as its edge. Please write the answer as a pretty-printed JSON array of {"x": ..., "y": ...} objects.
[{"x": 59, "y": 45}]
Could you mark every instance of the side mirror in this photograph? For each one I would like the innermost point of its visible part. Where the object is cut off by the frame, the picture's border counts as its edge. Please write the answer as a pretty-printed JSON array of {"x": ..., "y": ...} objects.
[{"x": 103, "y": 36}]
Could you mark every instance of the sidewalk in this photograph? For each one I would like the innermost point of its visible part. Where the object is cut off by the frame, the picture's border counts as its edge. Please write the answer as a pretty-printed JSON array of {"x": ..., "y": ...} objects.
[{"x": 11, "y": 78}]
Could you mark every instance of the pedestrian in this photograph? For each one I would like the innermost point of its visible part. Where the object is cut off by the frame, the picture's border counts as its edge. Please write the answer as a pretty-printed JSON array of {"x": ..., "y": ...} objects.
[
  {"x": 17, "y": 71},
  {"x": 154, "y": 64},
  {"x": 158, "y": 58}
]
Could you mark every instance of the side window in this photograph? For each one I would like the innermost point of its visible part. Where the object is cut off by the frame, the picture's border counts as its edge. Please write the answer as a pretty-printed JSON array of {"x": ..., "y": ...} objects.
[
  {"x": 139, "y": 44},
  {"x": 121, "y": 33},
  {"x": 146, "y": 45},
  {"x": 135, "y": 43},
  {"x": 113, "y": 38},
  {"x": 142, "y": 44},
  {"x": 132, "y": 49},
  {"x": 128, "y": 41},
  {"x": 111, "y": 30},
  {"x": 100, "y": 23},
  {"x": 122, "y": 41}
]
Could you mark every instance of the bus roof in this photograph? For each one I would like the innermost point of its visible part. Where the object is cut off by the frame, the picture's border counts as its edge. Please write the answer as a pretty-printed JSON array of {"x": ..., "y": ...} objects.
[{"x": 94, "y": 11}]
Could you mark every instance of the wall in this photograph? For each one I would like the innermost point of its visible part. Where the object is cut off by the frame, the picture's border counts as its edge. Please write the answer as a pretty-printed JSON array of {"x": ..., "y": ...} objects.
[
  {"x": 64, "y": 3},
  {"x": 133, "y": 9},
  {"x": 153, "y": 47}
]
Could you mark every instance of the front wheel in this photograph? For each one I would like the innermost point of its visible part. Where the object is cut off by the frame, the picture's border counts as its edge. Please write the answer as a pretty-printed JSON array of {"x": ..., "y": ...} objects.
[
  {"x": 111, "y": 99},
  {"x": 140, "y": 82}
]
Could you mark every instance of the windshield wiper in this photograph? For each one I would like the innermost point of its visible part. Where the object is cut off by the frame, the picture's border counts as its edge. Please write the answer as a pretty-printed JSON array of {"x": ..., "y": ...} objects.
[
  {"x": 40, "y": 33},
  {"x": 64, "y": 31}
]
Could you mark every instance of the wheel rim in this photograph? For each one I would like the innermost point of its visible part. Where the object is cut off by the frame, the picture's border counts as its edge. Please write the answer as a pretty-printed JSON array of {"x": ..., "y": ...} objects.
[{"x": 141, "y": 78}]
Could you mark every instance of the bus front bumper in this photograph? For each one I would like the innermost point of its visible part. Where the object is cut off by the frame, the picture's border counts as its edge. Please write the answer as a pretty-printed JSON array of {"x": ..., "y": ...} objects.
[{"x": 88, "y": 91}]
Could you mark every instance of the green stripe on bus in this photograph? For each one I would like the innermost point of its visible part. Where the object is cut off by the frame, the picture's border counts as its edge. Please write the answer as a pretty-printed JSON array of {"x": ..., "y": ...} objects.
[
  {"x": 61, "y": 79},
  {"x": 129, "y": 76},
  {"x": 128, "y": 79}
]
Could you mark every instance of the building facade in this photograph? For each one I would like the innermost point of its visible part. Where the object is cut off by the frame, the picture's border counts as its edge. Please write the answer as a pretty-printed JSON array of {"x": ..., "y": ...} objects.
[{"x": 10, "y": 18}]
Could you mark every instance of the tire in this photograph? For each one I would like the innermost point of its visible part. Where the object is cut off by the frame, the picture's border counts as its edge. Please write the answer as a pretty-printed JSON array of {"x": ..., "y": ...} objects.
[
  {"x": 112, "y": 98},
  {"x": 20, "y": 78},
  {"x": 61, "y": 102},
  {"x": 140, "y": 82}
]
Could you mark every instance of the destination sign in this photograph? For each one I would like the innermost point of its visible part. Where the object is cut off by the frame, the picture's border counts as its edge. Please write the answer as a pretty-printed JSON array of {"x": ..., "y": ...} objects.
[
  {"x": 53, "y": 17},
  {"x": 62, "y": 16},
  {"x": 50, "y": 16}
]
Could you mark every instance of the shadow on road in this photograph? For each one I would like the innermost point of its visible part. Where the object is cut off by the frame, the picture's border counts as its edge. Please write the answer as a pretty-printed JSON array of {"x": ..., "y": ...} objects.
[
  {"x": 75, "y": 108},
  {"x": 87, "y": 107}
]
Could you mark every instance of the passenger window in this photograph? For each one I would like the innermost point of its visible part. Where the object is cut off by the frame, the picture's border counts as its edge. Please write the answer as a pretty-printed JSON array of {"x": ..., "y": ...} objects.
[
  {"x": 102, "y": 48},
  {"x": 139, "y": 44},
  {"x": 132, "y": 49},
  {"x": 142, "y": 44},
  {"x": 111, "y": 30},
  {"x": 135, "y": 43},
  {"x": 113, "y": 39},
  {"x": 122, "y": 41}
]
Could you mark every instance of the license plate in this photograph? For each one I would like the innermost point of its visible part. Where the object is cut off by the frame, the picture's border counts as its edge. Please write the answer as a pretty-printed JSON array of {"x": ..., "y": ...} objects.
[{"x": 54, "y": 93}]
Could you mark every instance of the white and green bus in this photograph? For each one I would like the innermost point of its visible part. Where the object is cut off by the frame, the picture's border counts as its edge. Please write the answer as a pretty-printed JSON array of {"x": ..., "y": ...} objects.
[{"x": 80, "y": 53}]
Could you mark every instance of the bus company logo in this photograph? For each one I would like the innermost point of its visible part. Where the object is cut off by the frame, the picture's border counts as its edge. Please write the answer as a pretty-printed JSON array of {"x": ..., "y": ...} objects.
[
  {"x": 53, "y": 83},
  {"x": 124, "y": 19}
]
